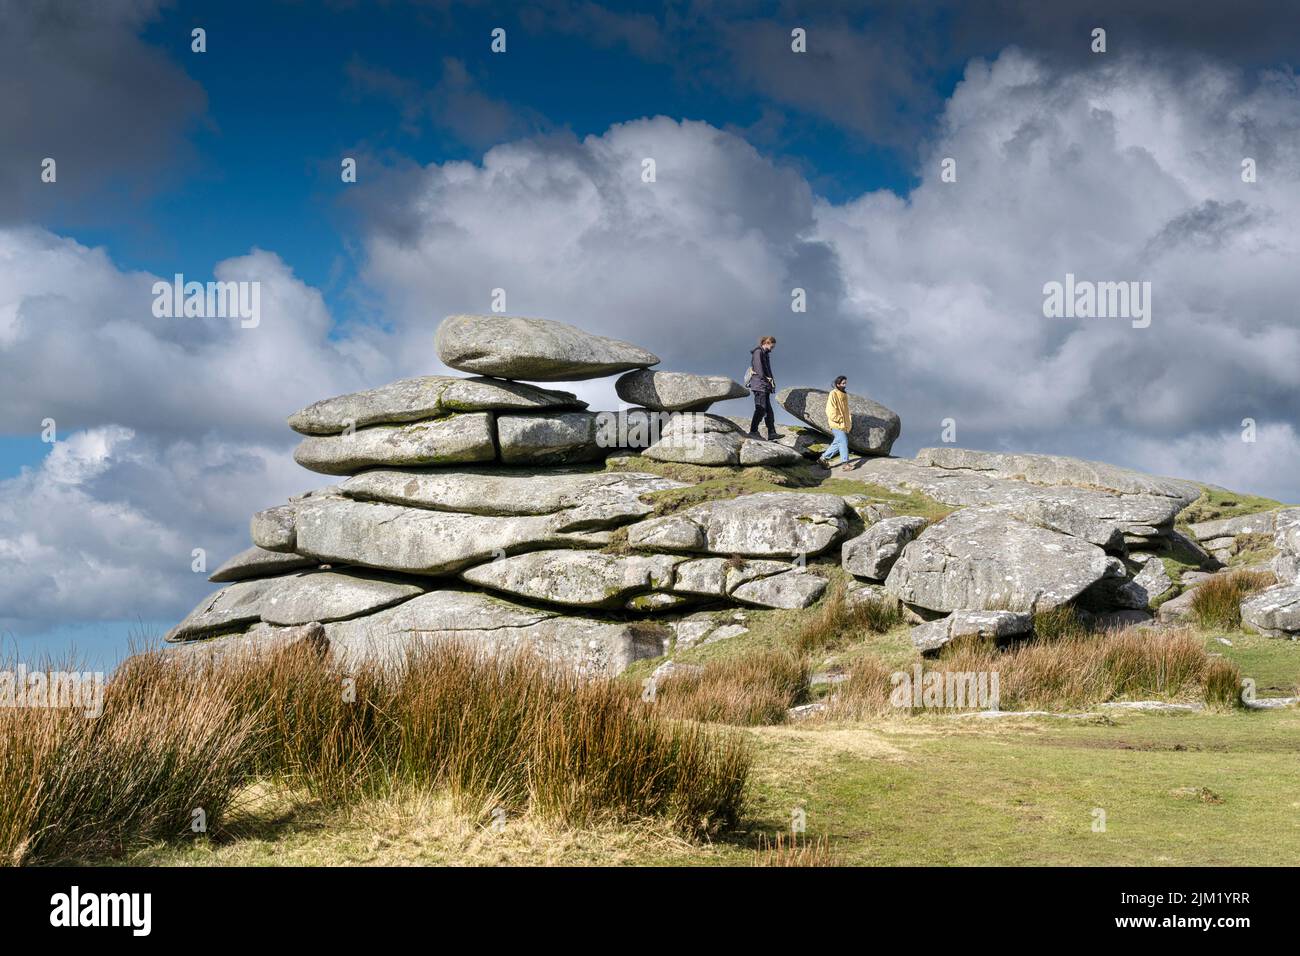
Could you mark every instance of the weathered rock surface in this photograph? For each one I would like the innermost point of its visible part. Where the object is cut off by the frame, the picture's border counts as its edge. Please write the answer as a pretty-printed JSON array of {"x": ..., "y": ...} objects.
[
  {"x": 273, "y": 529},
  {"x": 977, "y": 558},
  {"x": 718, "y": 577},
  {"x": 536, "y": 350},
  {"x": 331, "y": 596},
  {"x": 1274, "y": 612},
  {"x": 494, "y": 625},
  {"x": 234, "y": 607},
  {"x": 1177, "y": 610},
  {"x": 576, "y": 578},
  {"x": 420, "y": 541},
  {"x": 699, "y": 439},
  {"x": 585, "y": 500},
  {"x": 676, "y": 391},
  {"x": 1148, "y": 585},
  {"x": 1060, "y": 470},
  {"x": 260, "y": 640},
  {"x": 1264, "y": 522},
  {"x": 771, "y": 524},
  {"x": 454, "y": 440},
  {"x": 257, "y": 562},
  {"x": 872, "y": 553},
  {"x": 429, "y": 396},
  {"x": 931, "y": 636},
  {"x": 549, "y": 438},
  {"x": 874, "y": 427},
  {"x": 789, "y": 590}
]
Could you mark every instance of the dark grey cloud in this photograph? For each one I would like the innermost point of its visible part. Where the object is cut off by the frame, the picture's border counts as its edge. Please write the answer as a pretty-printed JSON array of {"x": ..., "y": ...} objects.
[{"x": 82, "y": 88}]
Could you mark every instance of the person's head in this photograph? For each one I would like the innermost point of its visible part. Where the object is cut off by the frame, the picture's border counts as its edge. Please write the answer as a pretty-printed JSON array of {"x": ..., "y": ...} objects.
[
  {"x": 766, "y": 342},
  {"x": 841, "y": 382}
]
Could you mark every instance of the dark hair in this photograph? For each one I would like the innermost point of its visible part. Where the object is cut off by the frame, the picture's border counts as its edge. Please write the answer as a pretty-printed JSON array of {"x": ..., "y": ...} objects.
[
  {"x": 767, "y": 338},
  {"x": 840, "y": 378}
]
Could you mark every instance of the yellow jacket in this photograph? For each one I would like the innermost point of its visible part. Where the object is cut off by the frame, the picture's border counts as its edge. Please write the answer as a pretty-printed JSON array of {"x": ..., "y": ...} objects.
[{"x": 837, "y": 410}]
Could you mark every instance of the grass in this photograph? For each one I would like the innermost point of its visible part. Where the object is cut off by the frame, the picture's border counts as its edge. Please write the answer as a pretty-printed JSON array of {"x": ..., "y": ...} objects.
[
  {"x": 834, "y": 622},
  {"x": 509, "y": 732},
  {"x": 1217, "y": 602},
  {"x": 745, "y": 690},
  {"x": 1216, "y": 503}
]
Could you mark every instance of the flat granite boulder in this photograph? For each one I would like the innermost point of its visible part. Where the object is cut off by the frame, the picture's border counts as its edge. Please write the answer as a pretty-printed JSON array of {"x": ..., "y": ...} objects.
[
  {"x": 789, "y": 590},
  {"x": 549, "y": 438},
  {"x": 770, "y": 524},
  {"x": 331, "y": 596},
  {"x": 536, "y": 350},
  {"x": 586, "y": 500},
  {"x": 420, "y": 541},
  {"x": 933, "y": 635},
  {"x": 576, "y": 578},
  {"x": 699, "y": 439},
  {"x": 980, "y": 558},
  {"x": 429, "y": 396},
  {"x": 1274, "y": 612},
  {"x": 234, "y": 607},
  {"x": 454, "y": 440},
  {"x": 676, "y": 391},
  {"x": 260, "y": 640},
  {"x": 258, "y": 562},
  {"x": 872, "y": 553},
  {"x": 874, "y": 427},
  {"x": 493, "y": 625}
]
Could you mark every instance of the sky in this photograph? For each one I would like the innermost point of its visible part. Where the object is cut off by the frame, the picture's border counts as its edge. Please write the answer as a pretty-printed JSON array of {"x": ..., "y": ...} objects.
[{"x": 128, "y": 441}]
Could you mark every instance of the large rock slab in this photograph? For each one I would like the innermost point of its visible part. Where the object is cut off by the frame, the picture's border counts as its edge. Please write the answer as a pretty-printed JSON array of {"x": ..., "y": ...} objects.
[
  {"x": 590, "y": 645},
  {"x": 874, "y": 427},
  {"x": 1060, "y": 470},
  {"x": 872, "y": 553},
  {"x": 429, "y": 396},
  {"x": 331, "y": 596},
  {"x": 676, "y": 391},
  {"x": 1264, "y": 522},
  {"x": 258, "y": 562},
  {"x": 420, "y": 541},
  {"x": 259, "y": 641},
  {"x": 771, "y": 524},
  {"x": 584, "y": 500},
  {"x": 536, "y": 350},
  {"x": 931, "y": 636},
  {"x": 554, "y": 438},
  {"x": 984, "y": 558},
  {"x": 1274, "y": 612},
  {"x": 789, "y": 590},
  {"x": 233, "y": 608},
  {"x": 699, "y": 439},
  {"x": 454, "y": 440},
  {"x": 576, "y": 578},
  {"x": 272, "y": 529}
]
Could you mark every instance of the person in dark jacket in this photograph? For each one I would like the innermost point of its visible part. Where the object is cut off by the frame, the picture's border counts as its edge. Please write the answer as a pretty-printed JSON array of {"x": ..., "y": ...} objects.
[{"x": 762, "y": 385}]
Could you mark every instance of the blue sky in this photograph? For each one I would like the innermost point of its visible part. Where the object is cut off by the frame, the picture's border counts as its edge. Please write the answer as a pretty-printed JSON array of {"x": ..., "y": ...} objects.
[{"x": 778, "y": 169}]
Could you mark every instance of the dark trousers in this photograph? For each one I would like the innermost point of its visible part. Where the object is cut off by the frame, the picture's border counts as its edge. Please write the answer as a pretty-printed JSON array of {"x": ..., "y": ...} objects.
[{"x": 763, "y": 410}]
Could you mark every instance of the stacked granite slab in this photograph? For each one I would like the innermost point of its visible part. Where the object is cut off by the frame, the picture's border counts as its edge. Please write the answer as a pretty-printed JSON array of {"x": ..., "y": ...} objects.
[
  {"x": 479, "y": 507},
  {"x": 1030, "y": 533}
]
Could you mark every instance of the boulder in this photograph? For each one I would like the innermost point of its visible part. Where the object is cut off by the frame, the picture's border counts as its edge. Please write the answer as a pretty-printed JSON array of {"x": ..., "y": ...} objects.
[
  {"x": 1265, "y": 522},
  {"x": 872, "y": 431},
  {"x": 429, "y": 396},
  {"x": 1273, "y": 612},
  {"x": 549, "y": 438},
  {"x": 872, "y": 553},
  {"x": 258, "y": 562},
  {"x": 583, "y": 500},
  {"x": 767, "y": 453},
  {"x": 493, "y": 625},
  {"x": 698, "y": 439},
  {"x": 576, "y": 578},
  {"x": 1147, "y": 586},
  {"x": 979, "y": 558},
  {"x": 331, "y": 596},
  {"x": 454, "y": 440},
  {"x": 273, "y": 529},
  {"x": 420, "y": 541},
  {"x": 233, "y": 608},
  {"x": 1177, "y": 610},
  {"x": 770, "y": 524},
  {"x": 676, "y": 391},
  {"x": 536, "y": 350},
  {"x": 789, "y": 589},
  {"x": 931, "y": 636},
  {"x": 260, "y": 640}
]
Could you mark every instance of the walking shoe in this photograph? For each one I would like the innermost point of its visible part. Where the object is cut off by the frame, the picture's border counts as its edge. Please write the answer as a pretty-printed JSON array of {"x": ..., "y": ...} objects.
[{"x": 754, "y": 435}]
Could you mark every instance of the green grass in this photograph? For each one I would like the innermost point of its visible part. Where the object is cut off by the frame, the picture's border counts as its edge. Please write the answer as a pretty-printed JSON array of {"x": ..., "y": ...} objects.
[{"x": 1216, "y": 503}]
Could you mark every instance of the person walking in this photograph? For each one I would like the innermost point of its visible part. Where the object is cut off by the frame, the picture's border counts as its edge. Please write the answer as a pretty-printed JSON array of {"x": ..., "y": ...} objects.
[
  {"x": 762, "y": 384},
  {"x": 838, "y": 417}
]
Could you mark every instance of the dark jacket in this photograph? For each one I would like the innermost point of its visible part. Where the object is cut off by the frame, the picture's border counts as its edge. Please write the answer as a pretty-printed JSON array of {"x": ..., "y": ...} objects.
[{"x": 760, "y": 360}]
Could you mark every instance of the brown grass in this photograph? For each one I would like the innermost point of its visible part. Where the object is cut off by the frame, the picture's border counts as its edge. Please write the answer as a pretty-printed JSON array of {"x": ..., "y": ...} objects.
[
  {"x": 509, "y": 731},
  {"x": 1059, "y": 623},
  {"x": 751, "y": 690},
  {"x": 836, "y": 622},
  {"x": 1069, "y": 673},
  {"x": 791, "y": 851},
  {"x": 1216, "y": 604}
]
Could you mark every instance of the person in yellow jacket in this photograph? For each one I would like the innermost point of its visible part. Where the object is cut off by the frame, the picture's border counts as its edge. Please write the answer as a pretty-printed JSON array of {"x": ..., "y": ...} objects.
[{"x": 838, "y": 417}]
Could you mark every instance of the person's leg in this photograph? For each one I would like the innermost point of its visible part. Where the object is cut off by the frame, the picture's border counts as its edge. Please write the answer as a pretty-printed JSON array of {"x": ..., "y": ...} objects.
[
  {"x": 758, "y": 415},
  {"x": 771, "y": 417},
  {"x": 841, "y": 444}
]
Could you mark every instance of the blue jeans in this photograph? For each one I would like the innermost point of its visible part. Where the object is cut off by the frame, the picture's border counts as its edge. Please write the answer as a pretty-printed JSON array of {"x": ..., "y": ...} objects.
[{"x": 839, "y": 443}]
